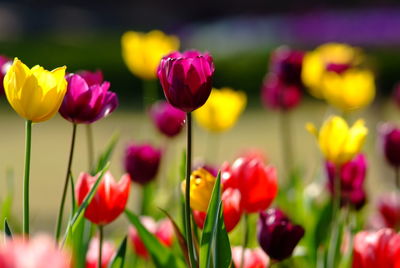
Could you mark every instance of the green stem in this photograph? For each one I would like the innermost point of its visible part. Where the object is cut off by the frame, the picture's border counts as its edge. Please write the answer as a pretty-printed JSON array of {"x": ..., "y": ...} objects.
[
  {"x": 192, "y": 254},
  {"x": 286, "y": 141},
  {"x": 64, "y": 194},
  {"x": 28, "y": 139},
  {"x": 147, "y": 197},
  {"x": 99, "y": 261},
  {"x": 150, "y": 92},
  {"x": 90, "y": 145},
  {"x": 245, "y": 238}
]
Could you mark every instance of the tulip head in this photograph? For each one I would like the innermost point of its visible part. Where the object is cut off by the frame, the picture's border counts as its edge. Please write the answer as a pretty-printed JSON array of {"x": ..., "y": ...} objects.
[
  {"x": 35, "y": 94},
  {"x": 168, "y": 120},
  {"x": 87, "y": 104},
  {"x": 286, "y": 64},
  {"x": 390, "y": 143},
  {"x": 253, "y": 258},
  {"x": 277, "y": 235},
  {"x": 109, "y": 200},
  {"x": 5, "y": 63},
  {"x": 338, "y": 142},
  {"x": 92, "y": 256},
  {"x": 92, "y": 78},
  {"x": 221, "y": 110},
  {"x": 389, "y": 210},
  {"x": 142, "y": 162},
  {"x": 201, "y": 187},
  {"x": 186, "y": 79},
  {"x": 142, "y": 52}
]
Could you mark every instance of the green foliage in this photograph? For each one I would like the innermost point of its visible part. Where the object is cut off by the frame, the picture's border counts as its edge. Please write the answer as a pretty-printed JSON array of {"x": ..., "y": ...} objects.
[{"x": 118, "y": 259}]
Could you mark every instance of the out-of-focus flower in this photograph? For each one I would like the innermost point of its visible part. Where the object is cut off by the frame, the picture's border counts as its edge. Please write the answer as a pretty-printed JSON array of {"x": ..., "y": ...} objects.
[
  {"x": 39, "y": 251},
  {"x": 256, "y": 182},
  {"x": 5, "y": 63},
  {"x": 163, "y": 230},
  {"x": 91, "y": 78},
  {"x": 142, "y": 52},
  {"x": 253, "y": 258},
  {"x": 221, "y": 110},
  {"x": 352, "y": 177},
  {"x": 338, "y": 142},
  {"x": 277, "y": 235},
  {"x": 376, "y": 249},
  {"x": 388, "y": 212},
  {"x": 142, "y": 162},
  {"x": 350, "y": 90},
  {"x": 109, "y": 200},
  {"x": 107, "y": 252},
  {"x": 35, "y": 94},
  {"x": 201, "y": 187},
  {"x": 186, "y": 79},
  {"x": 390, "y": 143},
  {"x": 232, "y": 210},
  {"x": 327, "y": 58},
  {"x": 87, "y": 104},
  {"x": 277, "y": 95},
  {"x": 286, "y": 64},
  {"x": 168, "y": 120}
]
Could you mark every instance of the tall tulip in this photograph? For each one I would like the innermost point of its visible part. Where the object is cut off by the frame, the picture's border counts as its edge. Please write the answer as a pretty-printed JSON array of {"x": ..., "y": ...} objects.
[
  {"x": 36, "y": 95},
  {"x": 168, "y": 120}
]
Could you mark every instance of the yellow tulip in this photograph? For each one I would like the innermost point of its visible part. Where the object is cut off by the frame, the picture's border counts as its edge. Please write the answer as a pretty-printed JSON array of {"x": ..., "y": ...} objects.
[
  {"x": 35, "y": 94},
  {"x": 201, "y": 187},
  {"x": 351, "y": 90},
  {"x": 142, "y": 52},
  {"x": 337, "y": 142},
  {"x": 221, "y": 110}
]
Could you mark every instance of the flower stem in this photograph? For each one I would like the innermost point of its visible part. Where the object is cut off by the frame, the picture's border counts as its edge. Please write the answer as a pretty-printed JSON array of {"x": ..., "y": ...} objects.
[
  {"x": 64, "y": 194},
  {"x": 147, "y": 198},
  {"x": 90, "y": 145},
  {"x": 99, "y": 261},
  {"x": 28, "y": 138},
  {"x": 192, "y": 254},
  {"x": 245, "y": 238}
]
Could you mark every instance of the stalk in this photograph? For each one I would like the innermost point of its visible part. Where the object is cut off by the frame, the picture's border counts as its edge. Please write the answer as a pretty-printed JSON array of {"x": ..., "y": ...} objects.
[{"x": 28, "y": 139}]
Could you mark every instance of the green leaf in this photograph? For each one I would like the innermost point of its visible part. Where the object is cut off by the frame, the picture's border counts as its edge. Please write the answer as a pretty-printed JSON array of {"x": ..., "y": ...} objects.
[
  {"x": 215, "y": 244},
  {"x": 119, "y": 258},
  {"x": 7, "y": 229},
  {"x": 6, "y": 205},
  {"x": 160, "y": 254},
  {"x": 106, "y": 155}
]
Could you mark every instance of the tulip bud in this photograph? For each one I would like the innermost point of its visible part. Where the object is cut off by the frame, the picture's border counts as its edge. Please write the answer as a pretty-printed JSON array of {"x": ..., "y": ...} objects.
[
  {"x": 168, "y": 120},
  {"x": 92, "y": 256},
  {"x": 253, "y": 258},
  {"x": 186, "y": 79},
  {"x": 286, "y": 64},
  {"x": 92, "y": 78},
  {"x": 5, "y": 63},
  {"x": 390, "y": 143},
  {"x": 277, "y": 235},
  {"x": 142, "y": 162}
]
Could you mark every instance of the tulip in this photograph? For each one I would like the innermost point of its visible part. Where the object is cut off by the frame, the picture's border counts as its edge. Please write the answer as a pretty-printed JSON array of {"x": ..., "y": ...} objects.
[
  {"x": 352, "y": 177},
  {"x": 186, "y": 79},
  {"x": 40, "y": 251},
  {"x": 232, "y": 210},
  {"x": 163, "y": 230},
  {"x": 277, "y": 235},
  {"x": 221, "y": 110},
  {"x": 390, "y": 143},
  {"x": 142, "y": 162},
  {"x": 142, "y": 52},
  {"x": 110, "y": 198},
  {"x": 253, "y": 258},
  {"x": 201, "y": 187},
  {"x": 286, "y": 64},
  {"x": 376, "y": 249},
  {"x": 338, "y": 142},
  {"x": 92, "y": 78},
  {"x": 108, "y": 252},
  {"x": 35, "y": 94},
  {"x": 256, "y": 182},
  {"x": 388, "y": 212},
  {"x": 168, "y": 120},
  {"x": 87, "y": 104},
  {"x": 5, "y": 63}
]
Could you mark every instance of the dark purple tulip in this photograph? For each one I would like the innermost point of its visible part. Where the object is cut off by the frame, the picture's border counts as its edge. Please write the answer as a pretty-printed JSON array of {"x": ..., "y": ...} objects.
[
  {"x": 92, "y": 78},
  {"x": 390, "y": 143},
  {"x": 186, "y": 79},
  {"x": 277, "y": 235},
  {"x": 286, "y": 64},
  {"x": 168, "y": 120},
  {"x": 142, "y": 162},
  {"x": 86, "y": 104},
  {"x": 352, "y": 177},
  {"x": 5, "y": 63},
  {"x": 279, "y": 96}
]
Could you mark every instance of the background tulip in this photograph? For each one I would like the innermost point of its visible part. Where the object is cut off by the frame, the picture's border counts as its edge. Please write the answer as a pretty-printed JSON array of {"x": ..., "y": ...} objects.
[
  {"x": 286, "y": 64},
  {"x": 87, "y": 104},
  {"x": 390, "y": 143},
  {"x": 168, "y": 120},
  {"x": 388, "y": 212},
  {"x": 277, "y": 235},
  {"x": 92, "y": 256},
  {"x": 253, "y": 258},
  {"x": 142, "y": 162},
  {"x": 110, "y": 198},
  {"x": 222, "y": 110},
  {"x": 5, "y": 63},
  {"x": 186, "y": 79},
  {"x": 35, "y": 94}
]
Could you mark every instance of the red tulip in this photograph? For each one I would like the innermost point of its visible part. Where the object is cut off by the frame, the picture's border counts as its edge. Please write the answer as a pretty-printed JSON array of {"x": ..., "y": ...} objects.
[
  {"x": 253, "y": 258},
  {"x": 107, "y": 252},
  {"x": 388, "y": 212},
  {"x": 163, "y": 230},
  {"x": 108, "y": 202},
  {"x": 373, "y": 249}
]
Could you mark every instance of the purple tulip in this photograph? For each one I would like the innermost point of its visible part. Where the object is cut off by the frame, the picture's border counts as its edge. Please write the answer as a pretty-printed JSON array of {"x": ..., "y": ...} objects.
[
  {"x": 142, "y": 162},
  {"x": 92, "y": 78},
  {"x": 277, "y": 235},
  {"x": 286, "y": 63},
  {"x": 5, "y": 63},
  {"x": 390, "y": 143},
  {"x": 168, "y": 120},
  {"x": 186, "y": 79},
  {"x": 86, "y": 104},
  {"x": 352, "y": 177}
]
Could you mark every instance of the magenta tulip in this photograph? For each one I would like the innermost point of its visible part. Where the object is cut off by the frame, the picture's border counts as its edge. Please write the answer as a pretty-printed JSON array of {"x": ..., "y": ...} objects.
[
  {"x": 168, "y": 120},
  {"x": 92, "y": 78}
]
